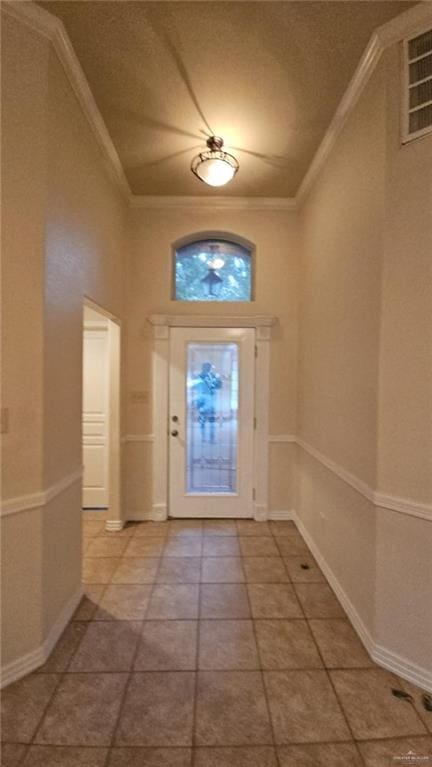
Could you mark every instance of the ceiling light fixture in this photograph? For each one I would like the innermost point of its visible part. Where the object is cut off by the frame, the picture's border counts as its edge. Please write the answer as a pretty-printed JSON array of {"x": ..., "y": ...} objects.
[{"x": 215, "y": 167}]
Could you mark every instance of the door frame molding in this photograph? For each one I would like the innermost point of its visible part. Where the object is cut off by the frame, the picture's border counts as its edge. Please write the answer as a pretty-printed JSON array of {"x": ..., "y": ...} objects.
[{"x": 162, "y": 323}]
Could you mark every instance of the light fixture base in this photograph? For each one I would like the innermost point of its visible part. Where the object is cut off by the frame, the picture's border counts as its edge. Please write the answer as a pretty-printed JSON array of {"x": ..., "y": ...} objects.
[{"x": 215, "y": 143}]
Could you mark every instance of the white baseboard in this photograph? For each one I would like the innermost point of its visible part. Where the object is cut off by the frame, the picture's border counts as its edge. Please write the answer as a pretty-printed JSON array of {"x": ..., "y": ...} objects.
[
  {"x": 114, "y": 525},
  {"x": 281, "y": 515},
  {"x": 32, "y": 660},
  {"x": 148, "y": 515},
  {"x": 383, "y": 657}
]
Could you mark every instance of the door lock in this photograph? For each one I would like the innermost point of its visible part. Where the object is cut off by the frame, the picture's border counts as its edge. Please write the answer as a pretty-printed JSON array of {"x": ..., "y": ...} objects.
[
  {"x": 174, "y": 433},
  {"x": 174, "y": 418}
]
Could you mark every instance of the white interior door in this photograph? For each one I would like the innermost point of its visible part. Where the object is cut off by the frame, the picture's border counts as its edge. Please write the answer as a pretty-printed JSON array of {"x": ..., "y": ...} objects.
[
  {"x": 95, "y": 418},
  {"x": 211, "y": 422}
]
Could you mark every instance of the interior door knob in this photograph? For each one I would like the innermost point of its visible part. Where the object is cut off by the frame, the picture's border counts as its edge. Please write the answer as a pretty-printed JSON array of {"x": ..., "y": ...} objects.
[{"x": 174, "y": 433}]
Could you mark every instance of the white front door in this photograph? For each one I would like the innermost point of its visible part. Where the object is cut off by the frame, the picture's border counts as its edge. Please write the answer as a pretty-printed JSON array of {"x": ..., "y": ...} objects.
[
  {"x": 211, "y": 422},
  {"x": 95, "y": 418}
]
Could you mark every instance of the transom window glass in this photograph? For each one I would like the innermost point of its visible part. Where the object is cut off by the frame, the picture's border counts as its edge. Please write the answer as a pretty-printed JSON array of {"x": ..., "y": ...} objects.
[{"x": 213, "y": 270}]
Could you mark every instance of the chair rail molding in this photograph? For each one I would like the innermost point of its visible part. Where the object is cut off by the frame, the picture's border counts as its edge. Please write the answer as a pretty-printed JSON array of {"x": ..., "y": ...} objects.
[{"x": 40, "y": 498}]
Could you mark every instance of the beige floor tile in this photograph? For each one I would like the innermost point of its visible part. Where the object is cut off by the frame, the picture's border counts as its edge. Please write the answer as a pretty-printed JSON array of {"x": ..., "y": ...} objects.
[
  {"x": 65, "y": 648},
  {"x": 322, "y": 755},
  {"x": 273, "y": 600},
  {"x": 151, "y": 529},
  {"x": 187, "y": 546},
  {"x": 222, "y": 570},
  {"x": 174, "y": 601},
  {"x": 65, "y": 756},
  {"x": 286, "y": 644},
  {"x": 167, "y": 646},
  {"x": 304, "y": 569},
  {"x": 241, "y": 756},
  {"x": 23, "y": 704},
  {"x": 91, "y": 528},
  {"x": 252, "y": 546},
  {"x": 126, "y": 532},
  {"x": 185, "y": 527},
  {"x": 417, "y": 694},
  {"x": 265, "y": 570},
  {"x": 123, "y": 602},
  {"x": 83, "y": 711},
  {"x": 136, "y": 570},
  {"x": 250, "y": 527},
  {"x": 158, "y": 710},
  {"x": 11, "y": 754},
  {"x": 99, "y": 570},
  {"x": 228, "y": 644},
  {"x": 231, "y": 709},
  {"x": 150, "y": 757},
  {"x": 224, "y": 601},
  {"x": 396, "y": 751},
  {"x": 291, "y": 545},
  {"x": 318, "y": 600},
  {"x": 179, "y": 570},
  {"x": 139, "y": 546},
  {"x": 107, "y": 646},
  {"x": 219, "y": 527},
  {"x": 106, "y": 547},
  {"x": 221, "y": 546},
  {"x": 304, "y": 708},
  {"x": 283, "y": 527},
  {"x": 339, "y": 644},
  {"x": 371, "y": 709},
  {"x": 89, "y": 603}
]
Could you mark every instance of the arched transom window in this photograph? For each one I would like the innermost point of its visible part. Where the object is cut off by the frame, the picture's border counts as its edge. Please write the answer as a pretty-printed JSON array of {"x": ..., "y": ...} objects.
[{"x": 213, "y": 270}]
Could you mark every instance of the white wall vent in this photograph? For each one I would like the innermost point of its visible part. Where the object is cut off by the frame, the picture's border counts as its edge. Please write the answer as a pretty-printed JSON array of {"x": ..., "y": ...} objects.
[{"x": 417, "y": 106}]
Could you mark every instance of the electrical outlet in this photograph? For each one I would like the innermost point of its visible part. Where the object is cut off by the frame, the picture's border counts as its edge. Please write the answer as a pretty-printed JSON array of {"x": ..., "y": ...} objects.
[
  {"x": 140, "y": 397},
  {"x": 4, "y": 420}
]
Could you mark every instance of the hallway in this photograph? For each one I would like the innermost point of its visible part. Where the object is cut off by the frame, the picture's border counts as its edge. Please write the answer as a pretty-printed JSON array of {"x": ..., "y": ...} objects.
[{"x": 212, "y": 644}]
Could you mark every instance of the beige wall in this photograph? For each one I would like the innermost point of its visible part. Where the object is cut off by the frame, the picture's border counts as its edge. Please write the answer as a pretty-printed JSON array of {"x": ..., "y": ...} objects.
[
  {"x": 365, "y": 368},
  {"x": 64, "y": 238},
  {"x": 275, "y": 237}
]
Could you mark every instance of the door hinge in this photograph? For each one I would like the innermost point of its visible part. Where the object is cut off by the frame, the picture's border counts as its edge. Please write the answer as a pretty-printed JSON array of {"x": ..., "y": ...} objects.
[
  {"x": 256, "y": 350},
  {"x": 255, "y": 423},
  {"x": 254, "y": 494}
]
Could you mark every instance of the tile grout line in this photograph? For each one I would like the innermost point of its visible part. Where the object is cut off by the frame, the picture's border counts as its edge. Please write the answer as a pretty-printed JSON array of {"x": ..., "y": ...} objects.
[
  {"x": 197, "y": 657},
  {"x": 131, "y": 670}
]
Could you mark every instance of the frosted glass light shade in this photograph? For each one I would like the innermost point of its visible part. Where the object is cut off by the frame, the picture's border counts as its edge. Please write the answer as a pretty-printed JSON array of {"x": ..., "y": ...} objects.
[{"x": 215, "y": 172}]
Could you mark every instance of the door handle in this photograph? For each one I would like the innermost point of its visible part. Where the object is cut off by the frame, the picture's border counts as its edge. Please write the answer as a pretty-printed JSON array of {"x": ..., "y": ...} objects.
[{"x": 174, "y": 433}]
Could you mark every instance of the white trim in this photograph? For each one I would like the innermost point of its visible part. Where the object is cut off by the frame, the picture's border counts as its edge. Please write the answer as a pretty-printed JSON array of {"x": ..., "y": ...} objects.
[
  {"x": 114, "y": 525},
  {"x": 281, "y": 516},
  {"x": 32, "y": 660},
  {"x": 138, "y": 438},
  {"x": 213, "y": 202},
  {"x": 158, "y": 515},
  {"x": 94, "y": 325},
  {"x": 385, "y": 658},
  {"x": 282, "y": 438},
  {"x": 51, "y": 27},
  {"x": 405, "y": 24},
  {"x": 208, "y": 321},
  {"x": 41, "y": 498},
  {"x": 381, "y": 500},
  {"x": 394, "y": 31},
  {"x": 342, "y": 473}
]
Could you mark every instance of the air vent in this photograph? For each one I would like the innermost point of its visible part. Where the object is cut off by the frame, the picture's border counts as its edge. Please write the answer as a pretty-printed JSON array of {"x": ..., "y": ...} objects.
[{"x": 418, "y": 86}]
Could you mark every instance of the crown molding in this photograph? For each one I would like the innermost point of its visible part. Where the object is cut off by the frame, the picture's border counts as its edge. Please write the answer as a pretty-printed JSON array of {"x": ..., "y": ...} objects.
[
  {"x": 404, "y": 25},
  {"x": 50, "y": 27},
  {"x": 213, "y": 202}
]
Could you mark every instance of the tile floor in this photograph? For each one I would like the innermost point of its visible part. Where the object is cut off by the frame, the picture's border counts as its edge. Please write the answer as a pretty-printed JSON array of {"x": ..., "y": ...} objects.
[{"x": 212, "y": 644}]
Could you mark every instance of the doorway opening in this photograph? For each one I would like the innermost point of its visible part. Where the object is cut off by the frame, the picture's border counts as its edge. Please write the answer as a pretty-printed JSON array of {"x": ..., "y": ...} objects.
[{"x": 101, "y": 416}]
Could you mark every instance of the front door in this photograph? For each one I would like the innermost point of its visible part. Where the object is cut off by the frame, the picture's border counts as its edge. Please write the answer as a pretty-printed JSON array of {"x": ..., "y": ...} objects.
[{"x": 211, "y": 422}]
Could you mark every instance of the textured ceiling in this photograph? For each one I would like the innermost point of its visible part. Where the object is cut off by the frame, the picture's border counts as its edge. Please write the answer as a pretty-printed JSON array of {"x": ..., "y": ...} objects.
[{"x": 266, "y": 76}]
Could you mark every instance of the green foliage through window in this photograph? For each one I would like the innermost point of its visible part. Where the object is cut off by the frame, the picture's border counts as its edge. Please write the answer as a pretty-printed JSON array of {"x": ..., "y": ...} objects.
[{"x": 213, "y": 270}]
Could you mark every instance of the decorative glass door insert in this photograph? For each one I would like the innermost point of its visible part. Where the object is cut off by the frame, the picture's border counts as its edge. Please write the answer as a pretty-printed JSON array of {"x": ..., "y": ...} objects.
[{"x": 211, "y": 421}]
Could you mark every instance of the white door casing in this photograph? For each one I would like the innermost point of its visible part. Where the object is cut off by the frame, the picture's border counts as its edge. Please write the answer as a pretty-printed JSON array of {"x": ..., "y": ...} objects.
[
  {"x": 163, "y": 326},
  {"x": 95, "y": 425},
  {"x": 211, "y": 447}
]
